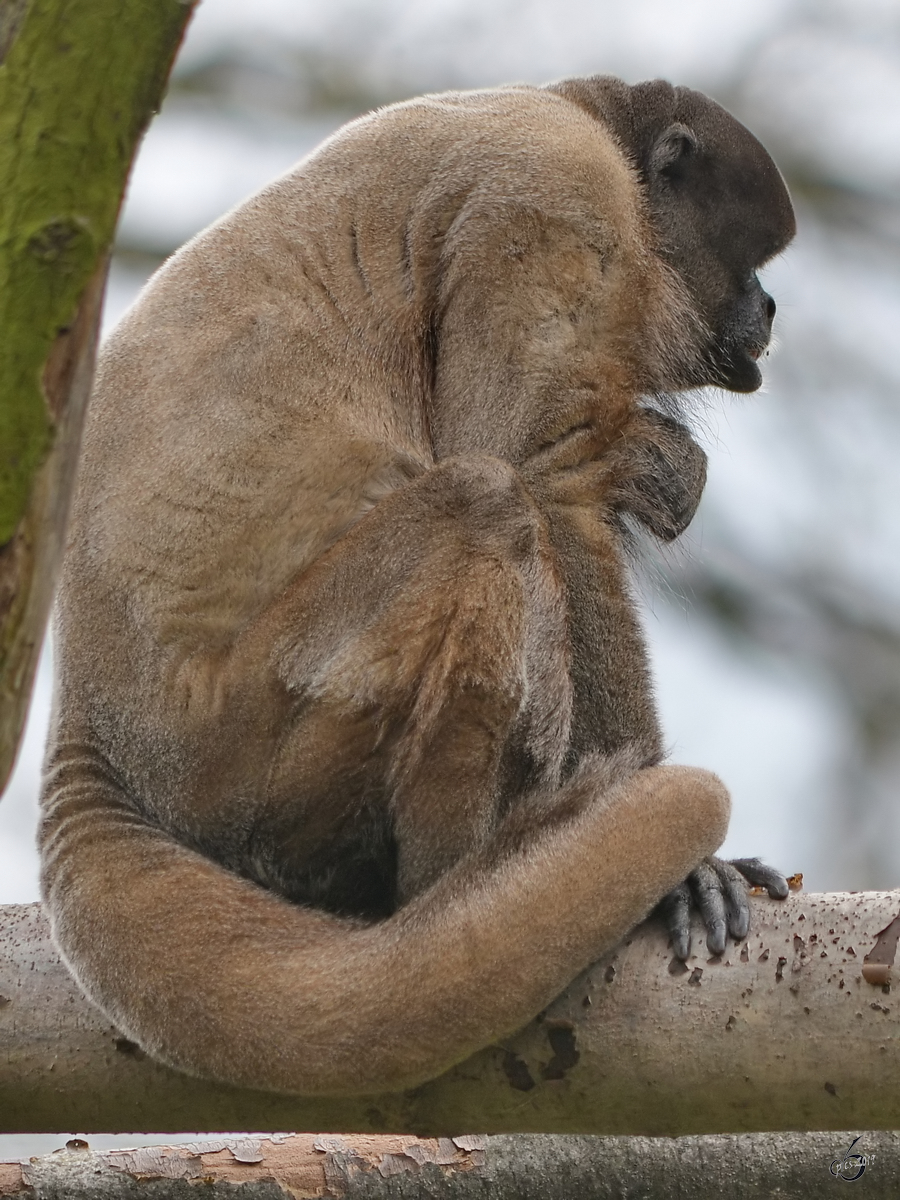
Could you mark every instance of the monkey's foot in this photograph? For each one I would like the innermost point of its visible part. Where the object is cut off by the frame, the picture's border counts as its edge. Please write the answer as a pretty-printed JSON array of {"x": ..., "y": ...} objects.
[{"x": 719, "y": 890}]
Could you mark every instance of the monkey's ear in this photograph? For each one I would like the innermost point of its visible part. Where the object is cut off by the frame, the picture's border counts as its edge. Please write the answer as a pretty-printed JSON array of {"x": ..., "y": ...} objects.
[{"x": 671, "y": 148}]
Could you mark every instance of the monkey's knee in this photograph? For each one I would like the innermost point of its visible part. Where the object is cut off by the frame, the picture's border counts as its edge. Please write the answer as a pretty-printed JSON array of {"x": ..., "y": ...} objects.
[
  {"x": 696, "y": 803},
  {"x": 487, "y": 503},
  {"x": 660, "y": 814},
  {"x": 472, "y": 600}
]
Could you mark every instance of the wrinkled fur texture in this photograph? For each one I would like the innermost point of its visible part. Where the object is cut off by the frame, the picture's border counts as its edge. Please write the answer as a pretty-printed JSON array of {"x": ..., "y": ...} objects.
[{"x": 354, "y": 760}]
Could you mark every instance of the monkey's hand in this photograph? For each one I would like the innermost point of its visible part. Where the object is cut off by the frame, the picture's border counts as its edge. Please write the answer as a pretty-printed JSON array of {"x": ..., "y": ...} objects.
[
  {"x": 652, "y": 469},
  {"x": 719, "y": 889},
  {"x": 659, "y": 472}
]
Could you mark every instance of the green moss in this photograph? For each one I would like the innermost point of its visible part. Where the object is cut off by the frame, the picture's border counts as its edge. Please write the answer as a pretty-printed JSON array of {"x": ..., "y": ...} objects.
[{"x": 79, "y": 83}]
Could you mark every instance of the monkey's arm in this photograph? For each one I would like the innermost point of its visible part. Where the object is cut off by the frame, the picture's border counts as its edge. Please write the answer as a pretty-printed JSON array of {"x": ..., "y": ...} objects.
[
  {"x": 655, "y": 472},
  {"x": 652, "y": 470},
  {"x": 660, "y": 473},
  {"x": 549, "y": 313}
]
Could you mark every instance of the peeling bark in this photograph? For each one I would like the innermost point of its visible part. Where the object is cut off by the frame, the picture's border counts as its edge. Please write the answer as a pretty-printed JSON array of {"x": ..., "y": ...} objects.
[
  {"x": 79, "y": 81},
  {"x": 783, "y": 1032},
  {"x": 360, "y": 1167}
]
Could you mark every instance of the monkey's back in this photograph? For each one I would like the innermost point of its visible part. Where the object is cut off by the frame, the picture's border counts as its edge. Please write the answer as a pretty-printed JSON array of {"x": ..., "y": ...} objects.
[{"x": 284, "y": 371}]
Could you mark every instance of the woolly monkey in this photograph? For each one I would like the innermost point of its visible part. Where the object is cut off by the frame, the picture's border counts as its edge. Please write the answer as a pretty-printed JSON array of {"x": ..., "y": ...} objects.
[{"x": 354, "y": 760}]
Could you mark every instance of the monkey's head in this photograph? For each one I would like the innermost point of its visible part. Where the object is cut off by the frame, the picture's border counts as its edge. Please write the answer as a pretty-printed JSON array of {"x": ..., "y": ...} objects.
[{"x": 719, "y": 207}]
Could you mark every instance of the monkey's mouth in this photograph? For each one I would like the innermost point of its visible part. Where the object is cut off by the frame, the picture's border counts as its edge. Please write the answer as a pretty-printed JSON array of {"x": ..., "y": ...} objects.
[
  {"x": 755, "y": 348},
  {"x": 735, "y": 367}
]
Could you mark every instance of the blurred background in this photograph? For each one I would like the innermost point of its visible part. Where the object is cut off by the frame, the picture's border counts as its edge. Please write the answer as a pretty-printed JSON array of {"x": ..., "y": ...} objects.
[{"x": 775, "y": 628}]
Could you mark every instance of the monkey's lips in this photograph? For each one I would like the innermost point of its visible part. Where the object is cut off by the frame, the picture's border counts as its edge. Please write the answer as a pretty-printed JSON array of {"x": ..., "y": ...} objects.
[
  {"x": 737, "y": 370},
  {"x": 756, "y": 347}
]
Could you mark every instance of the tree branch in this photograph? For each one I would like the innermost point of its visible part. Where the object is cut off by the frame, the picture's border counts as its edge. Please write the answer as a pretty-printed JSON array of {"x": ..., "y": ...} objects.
[{"x": 784, "y": 1032}]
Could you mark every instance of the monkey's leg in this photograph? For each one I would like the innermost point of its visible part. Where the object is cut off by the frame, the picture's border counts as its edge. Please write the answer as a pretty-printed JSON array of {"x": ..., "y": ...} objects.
[
  {"x": 654, "y": 472},
  {"x": 578, "y": 488},
  {"x": 452, "y": 701},
  {"x": 428, "y": 640},
  {"x": 263, "y": 993}
]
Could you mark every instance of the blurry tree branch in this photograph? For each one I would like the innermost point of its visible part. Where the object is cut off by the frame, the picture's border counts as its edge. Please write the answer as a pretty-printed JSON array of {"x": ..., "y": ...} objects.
[
  {"x": 810, "y": 614},
  {"x": 792, "y": 1166},
  {"x": 79, "y": 81}
]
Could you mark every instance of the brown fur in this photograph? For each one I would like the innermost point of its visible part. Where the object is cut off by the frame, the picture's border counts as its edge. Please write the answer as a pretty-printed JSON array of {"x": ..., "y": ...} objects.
[{"x": 345, "y": 621}]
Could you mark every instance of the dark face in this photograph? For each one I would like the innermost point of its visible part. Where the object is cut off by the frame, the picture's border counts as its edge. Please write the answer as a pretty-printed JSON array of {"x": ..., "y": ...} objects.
[
  {"x": 721, "y": 210},
  {"x": 718, "y": 204}
]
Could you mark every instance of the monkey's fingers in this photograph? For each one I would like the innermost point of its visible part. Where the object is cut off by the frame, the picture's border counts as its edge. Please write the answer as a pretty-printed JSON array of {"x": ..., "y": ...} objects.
[
  {"x": 707, "y": 890},
  {"x": 719, "y": 890},
  {"x": 659, "y": 472},
  {"x": 675, "y": 910},
  {"x": 734, "y": 892},
  {"x": 759, "y": 875}
]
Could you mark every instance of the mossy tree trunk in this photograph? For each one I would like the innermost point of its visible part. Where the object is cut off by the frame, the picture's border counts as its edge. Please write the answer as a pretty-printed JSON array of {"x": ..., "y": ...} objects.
[{"x": 79, "y": 81}]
